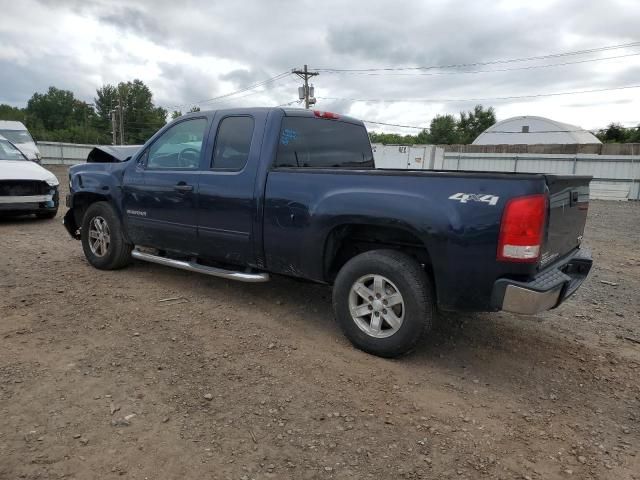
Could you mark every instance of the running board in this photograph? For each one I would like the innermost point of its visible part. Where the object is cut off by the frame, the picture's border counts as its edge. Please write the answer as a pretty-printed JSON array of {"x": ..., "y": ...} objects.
[{"x": 193, "y": 266}]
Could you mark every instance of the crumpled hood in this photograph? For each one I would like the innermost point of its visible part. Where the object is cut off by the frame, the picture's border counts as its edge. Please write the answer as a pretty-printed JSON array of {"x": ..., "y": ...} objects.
[{"x": 25, "y": 170}]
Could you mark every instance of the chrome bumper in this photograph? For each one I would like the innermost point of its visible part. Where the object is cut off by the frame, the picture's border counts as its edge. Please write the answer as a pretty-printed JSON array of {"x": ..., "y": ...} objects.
[
  {"x": 529, "y": 302},
  {"x": 547, "y": 290}
]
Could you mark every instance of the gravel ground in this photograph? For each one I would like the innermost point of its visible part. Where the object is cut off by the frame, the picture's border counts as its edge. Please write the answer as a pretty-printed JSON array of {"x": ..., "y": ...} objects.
[{"x": 156, "y": 373}]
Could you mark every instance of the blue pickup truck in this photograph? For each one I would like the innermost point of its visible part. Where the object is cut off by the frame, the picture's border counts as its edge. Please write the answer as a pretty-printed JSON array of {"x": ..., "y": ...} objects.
[{"x": 246, "y": 193}]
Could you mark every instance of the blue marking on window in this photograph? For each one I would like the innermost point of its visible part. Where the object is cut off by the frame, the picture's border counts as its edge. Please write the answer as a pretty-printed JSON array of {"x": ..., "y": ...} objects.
[{"x": 287, "y": 136}]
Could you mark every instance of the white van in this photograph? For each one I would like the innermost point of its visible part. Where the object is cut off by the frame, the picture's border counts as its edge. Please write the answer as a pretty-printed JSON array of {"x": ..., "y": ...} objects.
[{"x": 18, "y": 134}]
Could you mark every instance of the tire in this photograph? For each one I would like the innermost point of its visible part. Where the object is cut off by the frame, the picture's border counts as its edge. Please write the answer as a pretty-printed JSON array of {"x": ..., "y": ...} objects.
[
  {"x": 47, "y": 215},
  {"x": 115, "y": 252},
  {"x": 412, "y": 317}
]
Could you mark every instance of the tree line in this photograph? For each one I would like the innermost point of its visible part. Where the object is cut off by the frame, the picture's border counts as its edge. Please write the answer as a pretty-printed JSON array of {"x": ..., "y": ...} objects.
[
  {"x": 449, "y": 130},
  {"x": 57, "y": 115},
  {"x": 445, "y": 129}
]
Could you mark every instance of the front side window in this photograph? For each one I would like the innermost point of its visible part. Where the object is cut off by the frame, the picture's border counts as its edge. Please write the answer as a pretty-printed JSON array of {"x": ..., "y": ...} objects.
[
  {"x": 321, "y": 143},
  {"x": 233, "y": 143},
  {"x": 179, "y": 147}
]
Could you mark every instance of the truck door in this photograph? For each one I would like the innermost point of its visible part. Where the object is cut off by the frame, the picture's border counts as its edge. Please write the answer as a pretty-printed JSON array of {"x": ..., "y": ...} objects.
[
  {"x": 160, "y": 191},
  {"x": 227, "y": 208}
]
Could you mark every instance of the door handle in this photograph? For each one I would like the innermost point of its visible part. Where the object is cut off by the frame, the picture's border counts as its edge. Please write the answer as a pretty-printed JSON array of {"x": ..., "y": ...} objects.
[{"x": 183, "y": 187}]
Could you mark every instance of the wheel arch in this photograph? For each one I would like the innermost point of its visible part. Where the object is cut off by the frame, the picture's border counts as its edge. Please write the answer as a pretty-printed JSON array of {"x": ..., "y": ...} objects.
[
  {"x": 82, "y": 201},
  {"x": 347, "y": 240}
]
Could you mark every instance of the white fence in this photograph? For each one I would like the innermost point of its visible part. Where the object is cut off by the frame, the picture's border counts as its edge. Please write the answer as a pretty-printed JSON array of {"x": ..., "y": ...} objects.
[
  {"x": 55, "y": 153},
  {"x": 615, "y": 177}
]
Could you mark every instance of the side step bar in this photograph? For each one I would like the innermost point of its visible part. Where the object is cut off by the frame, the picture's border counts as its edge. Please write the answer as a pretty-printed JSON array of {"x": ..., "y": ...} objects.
[{"x": 193, "y": 266}]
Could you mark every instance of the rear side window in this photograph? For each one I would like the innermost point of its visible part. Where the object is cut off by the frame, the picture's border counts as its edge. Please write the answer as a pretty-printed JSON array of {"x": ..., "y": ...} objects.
[
  {"x": 320, "y": 143},
  {"x": 233, "y": 142}
]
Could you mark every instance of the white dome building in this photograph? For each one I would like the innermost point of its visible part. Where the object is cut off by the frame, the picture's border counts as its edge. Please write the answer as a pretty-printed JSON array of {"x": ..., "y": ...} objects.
[{"x": 533, "y": 130}]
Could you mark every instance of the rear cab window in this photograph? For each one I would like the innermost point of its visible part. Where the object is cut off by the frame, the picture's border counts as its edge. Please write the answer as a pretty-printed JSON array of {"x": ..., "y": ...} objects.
[{"x": 306, "y": 142}]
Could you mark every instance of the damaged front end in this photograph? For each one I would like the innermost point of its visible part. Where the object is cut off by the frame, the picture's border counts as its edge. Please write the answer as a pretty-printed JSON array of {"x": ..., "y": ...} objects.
[{"x": 69, "y": 222}]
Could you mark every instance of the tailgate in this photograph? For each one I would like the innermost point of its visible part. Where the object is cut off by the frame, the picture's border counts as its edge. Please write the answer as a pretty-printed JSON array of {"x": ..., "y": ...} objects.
[{"x": 568, "y": 206}]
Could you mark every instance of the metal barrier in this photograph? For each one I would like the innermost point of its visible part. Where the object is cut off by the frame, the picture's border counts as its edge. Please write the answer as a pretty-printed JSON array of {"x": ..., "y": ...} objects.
[
  {"x": 615, "y": 177},
  {"x": 56, "y": 153}
]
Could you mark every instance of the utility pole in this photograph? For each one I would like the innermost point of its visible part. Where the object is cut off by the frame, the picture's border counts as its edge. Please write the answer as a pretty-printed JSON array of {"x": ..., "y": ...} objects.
[
  {"x": 305, "y": 92},
  {"x": 120, "y": 112},
  {"x": 113, "y": 127}
]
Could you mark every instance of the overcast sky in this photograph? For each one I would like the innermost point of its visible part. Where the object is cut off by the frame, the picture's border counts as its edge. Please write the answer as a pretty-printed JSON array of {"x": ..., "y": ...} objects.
[{"x": 190, "y": 51}]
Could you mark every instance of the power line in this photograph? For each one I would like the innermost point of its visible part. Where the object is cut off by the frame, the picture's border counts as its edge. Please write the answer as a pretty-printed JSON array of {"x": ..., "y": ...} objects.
[
  {"x": 289, "y": 103},
  {"x": 467, "y": 72},
  {"x": 395, "y": 125},
  {"x": 226, "y": 99},
  {"x": 448, "y": 100},
  {"x": 262, "y": 83},
  {"x": 492, "y": 62}
]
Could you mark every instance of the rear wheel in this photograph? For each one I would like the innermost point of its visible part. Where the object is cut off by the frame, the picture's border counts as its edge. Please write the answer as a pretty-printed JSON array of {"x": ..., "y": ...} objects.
[
  {"x": 103, "y": 242},
  {"x": 382, "y": 300}
]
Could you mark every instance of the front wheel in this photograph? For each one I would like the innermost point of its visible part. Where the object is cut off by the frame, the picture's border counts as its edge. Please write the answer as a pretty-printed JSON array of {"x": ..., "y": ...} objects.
[
  {"x": 103, "y": 242},
  {"x": 382, "y": 300}
]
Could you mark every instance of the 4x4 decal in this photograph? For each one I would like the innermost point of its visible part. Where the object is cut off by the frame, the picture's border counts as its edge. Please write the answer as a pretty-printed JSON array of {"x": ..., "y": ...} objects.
[{"x": 475, "y": 197}]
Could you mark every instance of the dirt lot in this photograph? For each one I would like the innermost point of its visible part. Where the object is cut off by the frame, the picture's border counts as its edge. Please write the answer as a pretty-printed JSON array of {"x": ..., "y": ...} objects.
[{"x": 102, "y": 377}]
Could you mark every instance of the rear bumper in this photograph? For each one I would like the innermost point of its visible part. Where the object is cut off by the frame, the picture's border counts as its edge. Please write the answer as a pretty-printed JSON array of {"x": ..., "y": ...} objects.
[{"x": 547, "y": 290}]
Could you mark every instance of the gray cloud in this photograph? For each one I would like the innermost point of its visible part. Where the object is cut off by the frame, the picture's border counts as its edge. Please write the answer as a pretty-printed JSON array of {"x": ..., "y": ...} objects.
[{"x": 212, "y": 47}]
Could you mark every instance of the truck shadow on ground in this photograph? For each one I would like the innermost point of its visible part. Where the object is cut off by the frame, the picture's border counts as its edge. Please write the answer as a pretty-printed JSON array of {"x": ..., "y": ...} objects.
[{"x": 498, "y": 349}]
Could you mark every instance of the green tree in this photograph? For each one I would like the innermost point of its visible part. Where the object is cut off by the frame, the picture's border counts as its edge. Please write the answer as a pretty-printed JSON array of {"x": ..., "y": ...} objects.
[
  {"x": 57, "y": 115},
  {"x": 7, "y": 112},
  {"x": 473, "y": 123},
  {"x": 141, "y": 118},
  {"x": 423, "y": 137},
  {"x": 443, "y": 131},
  {"x": 53, "y": 110},
  {"x": 105, "y": 101},
  {"x": 178, "y": 113},
  {"x": 614, "y": 133},
  {"x": 392, "y": 138},
  {"x": 634, "y": 135}
]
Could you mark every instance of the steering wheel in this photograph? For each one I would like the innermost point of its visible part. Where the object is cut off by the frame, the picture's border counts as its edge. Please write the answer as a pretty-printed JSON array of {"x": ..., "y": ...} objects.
[{"x": 184, "y": 162}]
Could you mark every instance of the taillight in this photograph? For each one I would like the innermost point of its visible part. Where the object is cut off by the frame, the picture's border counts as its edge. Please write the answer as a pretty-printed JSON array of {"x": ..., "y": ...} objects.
[
  {"x": 522, "y": 229},
  {"x": 320, "y": 114}
]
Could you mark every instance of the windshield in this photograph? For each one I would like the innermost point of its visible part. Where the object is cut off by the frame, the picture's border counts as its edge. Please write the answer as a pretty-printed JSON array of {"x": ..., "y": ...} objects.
[
  {"x": 9, "y": 152},
  {"x": 17, "y": 136}
]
